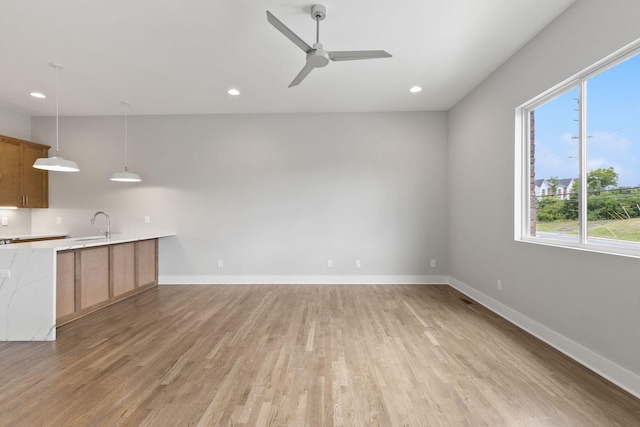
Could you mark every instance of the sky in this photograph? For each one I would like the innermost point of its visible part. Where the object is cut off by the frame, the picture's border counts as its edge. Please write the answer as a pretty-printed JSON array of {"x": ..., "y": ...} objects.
[{"x": 613, "y": 127}]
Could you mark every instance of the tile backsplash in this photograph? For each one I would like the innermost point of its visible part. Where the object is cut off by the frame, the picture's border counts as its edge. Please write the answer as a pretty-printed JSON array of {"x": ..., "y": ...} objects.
[{"x": 18, "y": 222}]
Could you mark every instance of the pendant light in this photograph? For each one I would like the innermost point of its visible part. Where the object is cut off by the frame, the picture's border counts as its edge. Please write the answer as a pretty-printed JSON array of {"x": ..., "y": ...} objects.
[
  {"x": 56, "y": 164},
  {"x": 125, "y": 176}
]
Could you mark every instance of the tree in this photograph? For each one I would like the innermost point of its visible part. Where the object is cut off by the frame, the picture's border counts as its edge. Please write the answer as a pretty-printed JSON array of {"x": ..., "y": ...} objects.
[
  {"x": 601, "y": 179},
  {"x": 550, "y": 209},
  {"x": 598, "y": 207},
  {"x": 597, "y": 180},
  {"x": 554, "y": 182}
]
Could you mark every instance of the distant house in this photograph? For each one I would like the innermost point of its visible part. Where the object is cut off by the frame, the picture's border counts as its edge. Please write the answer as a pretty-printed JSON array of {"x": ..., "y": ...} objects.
[{"x": 544, "y": 188}]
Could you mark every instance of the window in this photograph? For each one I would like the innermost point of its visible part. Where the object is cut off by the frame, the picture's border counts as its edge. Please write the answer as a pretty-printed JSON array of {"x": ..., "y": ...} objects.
[{"x": 581, "y": 152}]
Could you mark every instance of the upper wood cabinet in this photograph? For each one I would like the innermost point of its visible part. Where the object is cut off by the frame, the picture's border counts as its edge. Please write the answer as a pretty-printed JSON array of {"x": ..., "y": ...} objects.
[
  {"x": 10, "y": 173},
  {"x": 21, "y": 185}
]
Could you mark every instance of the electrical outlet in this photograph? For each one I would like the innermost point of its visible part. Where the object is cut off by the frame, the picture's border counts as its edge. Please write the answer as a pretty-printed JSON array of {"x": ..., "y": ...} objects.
[
  {"x": 433, "y": 263},
  {"x": 5, "y": 221},
  {"x": 499, "y": 285},
  {"x": 220, "y": 264},
  {"x": 330, "y": 263},
  {"x": 5, "y": 273},
  {"x": 147, "y": 219},
  {"x": 59, "y": 220},
  {"x": 357, "y": 263}
]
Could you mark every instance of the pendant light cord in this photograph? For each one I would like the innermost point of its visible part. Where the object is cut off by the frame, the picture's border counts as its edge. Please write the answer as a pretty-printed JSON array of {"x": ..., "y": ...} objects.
[
  {"x": 56, "y": 163},
  {"x": 126, "y": 136},
  {"x": 57, "y": 106},
  {"x": 126, "y": 176}
]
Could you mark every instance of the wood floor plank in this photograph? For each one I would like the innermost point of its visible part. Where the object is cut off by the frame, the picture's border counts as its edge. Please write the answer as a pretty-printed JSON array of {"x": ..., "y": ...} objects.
[{"x": 285, "y": 355}]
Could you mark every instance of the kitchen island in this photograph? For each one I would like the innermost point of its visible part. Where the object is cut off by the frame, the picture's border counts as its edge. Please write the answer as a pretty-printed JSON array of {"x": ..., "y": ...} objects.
[{"x": 30, "y": 295}]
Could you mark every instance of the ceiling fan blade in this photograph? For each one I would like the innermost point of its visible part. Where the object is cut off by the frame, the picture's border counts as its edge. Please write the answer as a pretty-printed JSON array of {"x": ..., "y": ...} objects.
[
  {"x": 301, "y": 75},
  {"x": 287, "y": 32},
  {"x": 350, "y": 55}
]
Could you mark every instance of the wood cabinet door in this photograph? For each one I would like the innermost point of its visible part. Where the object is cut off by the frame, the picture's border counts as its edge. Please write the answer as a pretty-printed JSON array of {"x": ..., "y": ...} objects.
[
  {"x": 65, "y": 284},
  {"x": 123, "y": 273},
  {"x": 10, "y": 178},
  {"x": 94, "y": 276},
  {"x": 35, "y": 182},
  {"x": 146, "y": 262}
]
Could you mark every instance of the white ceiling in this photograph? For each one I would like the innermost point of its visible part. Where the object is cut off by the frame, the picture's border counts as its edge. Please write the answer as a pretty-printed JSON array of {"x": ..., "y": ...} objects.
[{"x": 180, "y": 57}]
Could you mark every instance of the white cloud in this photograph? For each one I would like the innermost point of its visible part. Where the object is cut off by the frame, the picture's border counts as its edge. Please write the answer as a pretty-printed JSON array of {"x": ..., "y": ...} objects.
[
  {"x": 560, "y": 159},
  {"x": 601, "y": 162},
  {"x": 569, "y": 138},
  {"x": 608, "y": 142},
  {"x": 626, "y": 176},
  {"x": 604, "y": 149}
]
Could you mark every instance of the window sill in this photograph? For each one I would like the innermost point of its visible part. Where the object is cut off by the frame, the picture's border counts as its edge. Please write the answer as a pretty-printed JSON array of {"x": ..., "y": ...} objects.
[{"x": 597, "y": 245}]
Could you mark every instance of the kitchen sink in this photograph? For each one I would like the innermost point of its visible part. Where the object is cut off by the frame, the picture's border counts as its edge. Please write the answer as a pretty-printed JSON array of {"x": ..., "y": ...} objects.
[{"x": 85, "y": 239}]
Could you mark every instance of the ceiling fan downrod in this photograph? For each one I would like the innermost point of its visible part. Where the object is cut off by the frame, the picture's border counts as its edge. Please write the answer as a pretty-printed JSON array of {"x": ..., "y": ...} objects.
[{"x": 318, "y": 13}]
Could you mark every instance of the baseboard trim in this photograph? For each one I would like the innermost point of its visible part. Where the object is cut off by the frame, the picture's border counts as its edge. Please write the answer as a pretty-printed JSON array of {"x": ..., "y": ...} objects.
[
  {"x": 303, "y": 280},
  {"x": 618, "y": 375}
]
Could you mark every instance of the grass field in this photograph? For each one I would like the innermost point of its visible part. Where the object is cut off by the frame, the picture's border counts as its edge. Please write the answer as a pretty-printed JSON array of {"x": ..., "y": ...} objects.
[
  {"x": 626, "y": 229},
  {"x": 558, "y": 226}
]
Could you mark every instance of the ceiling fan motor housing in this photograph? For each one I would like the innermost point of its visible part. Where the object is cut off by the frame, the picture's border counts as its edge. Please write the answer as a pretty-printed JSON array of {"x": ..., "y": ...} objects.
[
  {"x": 318, "y": 12},
  {"x": 318, "y": 57}
]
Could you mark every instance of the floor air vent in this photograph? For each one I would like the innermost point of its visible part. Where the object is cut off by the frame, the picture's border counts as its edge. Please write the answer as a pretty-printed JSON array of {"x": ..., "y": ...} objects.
[{"x": 466, "y": 301}]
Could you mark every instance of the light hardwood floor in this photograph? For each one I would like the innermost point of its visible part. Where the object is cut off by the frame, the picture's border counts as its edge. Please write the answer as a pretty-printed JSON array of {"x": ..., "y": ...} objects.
[{"x": 301, "y": 355}]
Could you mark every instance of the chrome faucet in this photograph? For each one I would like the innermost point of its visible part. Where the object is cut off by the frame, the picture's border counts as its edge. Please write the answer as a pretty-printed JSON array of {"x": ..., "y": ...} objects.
[{"x": 107, "y": 233}]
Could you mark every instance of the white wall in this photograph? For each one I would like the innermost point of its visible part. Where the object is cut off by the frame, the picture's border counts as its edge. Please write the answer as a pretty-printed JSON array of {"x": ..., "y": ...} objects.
[
  {"x": 585, "y": 303},
  {"x": 15, "y": 124},
  {"x": 273, "y": 196},
  {"x": 18, "y": 126}
]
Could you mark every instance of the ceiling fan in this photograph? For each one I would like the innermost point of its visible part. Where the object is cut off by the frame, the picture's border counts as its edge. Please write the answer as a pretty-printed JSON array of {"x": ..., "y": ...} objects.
[{"x": 316, "y": 56}]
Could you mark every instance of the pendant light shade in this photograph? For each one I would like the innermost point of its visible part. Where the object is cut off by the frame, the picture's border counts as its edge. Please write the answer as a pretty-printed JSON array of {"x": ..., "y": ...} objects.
[
  {"x": 56, "y": 163},
  {"x": 125, "y": 176}
]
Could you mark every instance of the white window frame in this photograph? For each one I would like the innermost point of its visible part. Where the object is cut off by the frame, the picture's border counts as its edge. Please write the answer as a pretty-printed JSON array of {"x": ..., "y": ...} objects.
[{"x": 523, "y": 160}]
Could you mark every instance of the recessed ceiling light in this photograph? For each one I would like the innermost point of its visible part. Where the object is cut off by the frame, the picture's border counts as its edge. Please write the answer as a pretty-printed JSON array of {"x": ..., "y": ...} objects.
[
  {"x": 38, "y": 95},
  {"x": 415, "y": 89},
  {"x": 234, "y": 92}
]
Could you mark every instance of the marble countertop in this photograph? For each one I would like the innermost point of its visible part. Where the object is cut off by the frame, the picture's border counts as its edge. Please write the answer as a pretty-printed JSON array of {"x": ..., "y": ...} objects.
[{"x": 86, "y": 242}]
